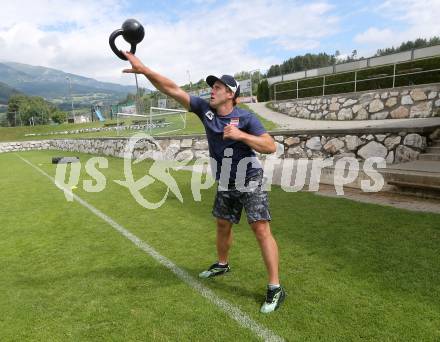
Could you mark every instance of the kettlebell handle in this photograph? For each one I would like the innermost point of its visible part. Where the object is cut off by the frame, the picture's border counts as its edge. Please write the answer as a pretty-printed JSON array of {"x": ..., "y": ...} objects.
[{"x": 118, "y": 52}]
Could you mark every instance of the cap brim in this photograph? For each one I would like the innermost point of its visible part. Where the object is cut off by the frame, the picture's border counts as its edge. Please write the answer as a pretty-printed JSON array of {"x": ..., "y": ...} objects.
[{"x": 211, "y": 79}]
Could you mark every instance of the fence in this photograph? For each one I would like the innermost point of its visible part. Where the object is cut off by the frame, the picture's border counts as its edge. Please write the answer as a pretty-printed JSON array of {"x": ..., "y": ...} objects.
[
  {"x": 416, "y": 71},
  {"x": 355, "y": 67}
]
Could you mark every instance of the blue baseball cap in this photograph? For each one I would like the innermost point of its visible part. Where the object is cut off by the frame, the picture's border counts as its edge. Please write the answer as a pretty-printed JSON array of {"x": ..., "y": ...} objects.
[{"x": 227, "y": 80}]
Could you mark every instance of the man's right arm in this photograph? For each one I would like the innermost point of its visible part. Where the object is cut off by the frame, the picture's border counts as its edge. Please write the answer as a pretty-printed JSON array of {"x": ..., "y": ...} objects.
[{"x": 160, "y": 82}]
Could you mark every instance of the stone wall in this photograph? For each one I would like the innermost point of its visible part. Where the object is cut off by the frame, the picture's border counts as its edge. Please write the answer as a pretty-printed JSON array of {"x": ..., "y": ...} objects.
[
  {"x": 25, "y": 146},
  {"x": 396, "y": 103},
  {"x": 176, "y": 148},
  {"x": 395, "y": 145},
  {"x": 108, "y": 128}
]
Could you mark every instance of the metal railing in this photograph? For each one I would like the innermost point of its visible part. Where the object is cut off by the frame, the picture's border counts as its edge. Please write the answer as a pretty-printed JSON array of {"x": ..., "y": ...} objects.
[
  {"x": 356, "y": 81},
  {"x": 405, "y": 56}
]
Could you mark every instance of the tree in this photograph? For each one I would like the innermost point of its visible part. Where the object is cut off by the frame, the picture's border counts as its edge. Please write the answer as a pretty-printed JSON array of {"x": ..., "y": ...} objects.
[
  {"x": 300, "y": 63},
  {"x": 27, "y": 110},
  {"x": 58, "y": 116},
  {"x": 14, "y": 105},
  {"x": 409, "y": 45},
  {"x": 263, "y": 91},
  {"x": 354, "y": 54},
  {"x": 242, "y": 75}
]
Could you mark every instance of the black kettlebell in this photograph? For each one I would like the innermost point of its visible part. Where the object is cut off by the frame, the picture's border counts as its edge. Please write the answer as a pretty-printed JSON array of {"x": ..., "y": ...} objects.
[{"x": 132, "y": 31}]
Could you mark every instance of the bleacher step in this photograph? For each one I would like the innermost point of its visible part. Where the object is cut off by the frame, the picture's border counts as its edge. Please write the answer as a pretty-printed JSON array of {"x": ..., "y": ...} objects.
[
  {"x": 421, "y": 176},
  {"x": 430, "y": 156},
  {"x": 433, "y": 149}
]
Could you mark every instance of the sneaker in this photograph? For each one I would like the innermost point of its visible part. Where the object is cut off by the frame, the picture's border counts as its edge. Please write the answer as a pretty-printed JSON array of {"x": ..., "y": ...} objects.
[
  {"x": 274, "y": 298},
  {"x": 215, "y": 270}
]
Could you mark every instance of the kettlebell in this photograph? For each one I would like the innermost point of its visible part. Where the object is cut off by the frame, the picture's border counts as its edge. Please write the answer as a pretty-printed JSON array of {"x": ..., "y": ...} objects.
[{"x": 132, "y": 31}]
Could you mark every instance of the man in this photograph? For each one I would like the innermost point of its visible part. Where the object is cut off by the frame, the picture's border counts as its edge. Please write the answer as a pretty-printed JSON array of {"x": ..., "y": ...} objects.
[{"x": 232, "y": 135}]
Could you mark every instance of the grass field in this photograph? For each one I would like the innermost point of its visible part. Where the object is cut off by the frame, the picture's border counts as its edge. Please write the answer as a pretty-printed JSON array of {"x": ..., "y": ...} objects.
[
  {"x": 193, "y": 126},
  {"x": 352, "y": 271}
]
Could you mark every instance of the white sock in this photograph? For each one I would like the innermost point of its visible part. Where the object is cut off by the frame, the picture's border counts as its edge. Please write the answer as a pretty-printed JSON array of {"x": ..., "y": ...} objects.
[
  {"x": 273, "y": 286},
  {"x": 222, "y": 264}
]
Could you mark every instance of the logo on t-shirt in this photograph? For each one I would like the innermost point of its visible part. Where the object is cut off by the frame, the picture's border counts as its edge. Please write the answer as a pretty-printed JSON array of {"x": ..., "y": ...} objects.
[
  {"x": 235, "y": 122},
  {"x": 209, "y": 115}
]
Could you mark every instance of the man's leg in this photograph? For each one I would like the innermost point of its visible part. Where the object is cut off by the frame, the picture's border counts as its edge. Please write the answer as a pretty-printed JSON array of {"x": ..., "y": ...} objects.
[
  {"x": 224, "y": 240},
  {"x": 275, "y": 293},
  {"x": 226, "y": 210},
  {"x": 269, "y": 249}
]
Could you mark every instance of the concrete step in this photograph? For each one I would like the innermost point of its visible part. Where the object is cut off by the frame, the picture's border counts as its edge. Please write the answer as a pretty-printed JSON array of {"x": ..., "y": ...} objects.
[
  {"x": 429, "y": 156},
  {"x": 427, "y": 178},
  {"x": 414, "y": 179},
  {"x": 435, "y": 150},
  {"x": 414, "y": 190},
  {"x": 421, "y": 177},
  {"x": 417, "y": 165}
]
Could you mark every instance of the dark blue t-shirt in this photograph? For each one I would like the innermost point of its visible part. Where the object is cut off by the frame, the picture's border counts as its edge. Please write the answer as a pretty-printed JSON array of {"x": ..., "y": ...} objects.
[{"x": 214, "y": 126}]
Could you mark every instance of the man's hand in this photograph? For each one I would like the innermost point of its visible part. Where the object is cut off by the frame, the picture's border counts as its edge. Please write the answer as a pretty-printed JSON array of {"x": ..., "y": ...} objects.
[
  {"x": 136, "y": 65},
  {"x": 232, "y": 132},
  {"x": 262, "y": 143}
]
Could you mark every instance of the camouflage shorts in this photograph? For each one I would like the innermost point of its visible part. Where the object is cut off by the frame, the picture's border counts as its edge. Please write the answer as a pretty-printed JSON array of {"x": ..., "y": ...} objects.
[{"x": 229, "y": 204}]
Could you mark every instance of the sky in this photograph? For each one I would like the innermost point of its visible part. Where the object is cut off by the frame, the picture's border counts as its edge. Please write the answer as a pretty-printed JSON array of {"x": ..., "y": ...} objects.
[{"x": 188, "y": 40}]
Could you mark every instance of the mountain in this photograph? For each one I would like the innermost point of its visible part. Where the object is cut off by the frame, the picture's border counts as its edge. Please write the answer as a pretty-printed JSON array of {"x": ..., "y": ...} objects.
[
  {"x": 5, "y": 92},
  {"x": 54, "y": 84}
]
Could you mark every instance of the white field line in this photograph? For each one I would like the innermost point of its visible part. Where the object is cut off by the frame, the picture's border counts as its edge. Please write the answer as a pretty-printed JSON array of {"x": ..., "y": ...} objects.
[{"x": 232, "y": 311}]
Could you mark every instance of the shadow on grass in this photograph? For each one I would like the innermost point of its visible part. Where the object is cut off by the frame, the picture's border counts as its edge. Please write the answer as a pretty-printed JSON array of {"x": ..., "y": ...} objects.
[
  {"x": 219, "y": 283},
  {"x": 155, "y": 274}
]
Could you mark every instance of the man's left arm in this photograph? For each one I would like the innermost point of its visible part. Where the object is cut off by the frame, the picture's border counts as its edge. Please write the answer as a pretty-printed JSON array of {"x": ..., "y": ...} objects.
[{"x": 261, "y": 143}]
